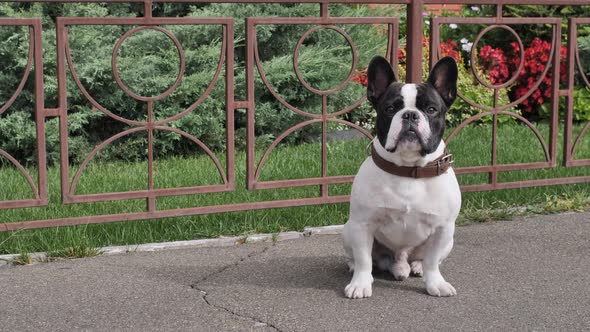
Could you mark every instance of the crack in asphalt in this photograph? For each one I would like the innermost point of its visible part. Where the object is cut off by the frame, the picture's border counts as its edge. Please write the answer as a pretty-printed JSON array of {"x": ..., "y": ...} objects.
[{"x": 204, "y": 294}]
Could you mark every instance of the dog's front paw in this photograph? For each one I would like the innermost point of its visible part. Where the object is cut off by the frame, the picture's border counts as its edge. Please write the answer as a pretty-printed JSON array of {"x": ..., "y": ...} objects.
[
  {"x": 359, "y": 288},
  {"x": 400, "y": 270},
  {"x": 441, "y": 288},
  {"x": 416, "y": 267}
]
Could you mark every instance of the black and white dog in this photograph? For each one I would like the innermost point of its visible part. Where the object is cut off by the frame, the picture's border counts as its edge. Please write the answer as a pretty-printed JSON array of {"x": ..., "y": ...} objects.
[{"x": 404, "y": 224}]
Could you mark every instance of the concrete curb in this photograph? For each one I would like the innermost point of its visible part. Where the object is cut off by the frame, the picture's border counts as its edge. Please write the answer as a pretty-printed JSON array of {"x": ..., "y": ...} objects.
[
  {"x": 324, "y": 230},
  {"x": 38, "y": 257}
]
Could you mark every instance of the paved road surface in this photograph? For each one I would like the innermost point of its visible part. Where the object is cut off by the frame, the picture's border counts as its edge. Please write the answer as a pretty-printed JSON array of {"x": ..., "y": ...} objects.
[{"x": 525, "y": 274}]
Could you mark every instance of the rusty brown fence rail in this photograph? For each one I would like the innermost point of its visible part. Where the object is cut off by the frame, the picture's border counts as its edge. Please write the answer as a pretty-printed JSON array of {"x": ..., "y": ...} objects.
[{"x": 414, "y": 67}]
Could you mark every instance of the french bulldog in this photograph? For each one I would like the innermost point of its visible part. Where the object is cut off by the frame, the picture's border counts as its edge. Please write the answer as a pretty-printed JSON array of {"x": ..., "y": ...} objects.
[{"x": 404, "y": 224}]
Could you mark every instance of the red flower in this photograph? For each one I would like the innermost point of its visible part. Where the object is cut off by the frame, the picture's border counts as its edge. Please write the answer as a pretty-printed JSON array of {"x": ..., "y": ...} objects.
[
  {"x": 360, "y": 76},
  {"x": 494, "y": 61},
  {"x": 450, "y": 48},
  {"x": 400, "y": 54}
]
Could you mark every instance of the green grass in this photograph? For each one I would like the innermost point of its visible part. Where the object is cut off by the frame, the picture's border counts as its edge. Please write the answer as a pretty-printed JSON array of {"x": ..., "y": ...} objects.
[
  {"x": 80, "y": 251},
  {"x": 23, "y": 258},
  {"x": 471, "y": 147}
]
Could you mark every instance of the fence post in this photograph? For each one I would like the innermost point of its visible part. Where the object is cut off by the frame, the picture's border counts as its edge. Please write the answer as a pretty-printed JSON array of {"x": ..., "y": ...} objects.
[{"x": 414, "y": 32}]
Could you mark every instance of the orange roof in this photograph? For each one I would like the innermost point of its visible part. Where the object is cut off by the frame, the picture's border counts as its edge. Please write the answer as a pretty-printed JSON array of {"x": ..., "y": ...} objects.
[{"x": 439, "y": 9}]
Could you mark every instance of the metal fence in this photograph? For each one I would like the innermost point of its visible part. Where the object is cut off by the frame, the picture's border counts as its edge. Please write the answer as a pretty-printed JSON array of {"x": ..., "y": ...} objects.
[{"x": 414, "y": 72}]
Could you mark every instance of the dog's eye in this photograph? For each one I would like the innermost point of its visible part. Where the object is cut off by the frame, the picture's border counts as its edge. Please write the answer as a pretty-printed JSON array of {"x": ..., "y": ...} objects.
[
  {"x": 431, "y": 110},
  {"x": 389, "y": 109}
]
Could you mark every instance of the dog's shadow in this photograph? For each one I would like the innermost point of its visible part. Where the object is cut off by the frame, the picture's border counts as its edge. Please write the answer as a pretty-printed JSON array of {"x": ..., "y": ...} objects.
[{"x": 319, "y": 272}]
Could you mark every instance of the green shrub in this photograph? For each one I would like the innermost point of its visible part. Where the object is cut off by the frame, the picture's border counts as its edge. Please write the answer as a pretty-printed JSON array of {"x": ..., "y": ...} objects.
[
  {"x": 581, "y": 113},
  {"x": 474, "y": 91},
  {"x": 147, "y": 63},
  {"x": 584, "y": 51}
]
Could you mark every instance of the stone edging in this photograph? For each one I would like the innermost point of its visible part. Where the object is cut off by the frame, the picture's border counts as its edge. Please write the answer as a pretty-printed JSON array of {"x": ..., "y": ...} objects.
[{"x": 204, "y": 243}]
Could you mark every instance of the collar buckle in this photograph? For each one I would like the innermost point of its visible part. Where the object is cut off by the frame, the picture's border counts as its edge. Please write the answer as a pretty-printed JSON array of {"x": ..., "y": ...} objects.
[{"x": 446, "y": 159}]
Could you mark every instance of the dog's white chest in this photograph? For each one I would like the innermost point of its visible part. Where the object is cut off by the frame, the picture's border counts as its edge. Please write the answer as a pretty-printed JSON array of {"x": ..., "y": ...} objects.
[
  {"x": 404, "y": 211},
  {"x": 405, "y": 229}
]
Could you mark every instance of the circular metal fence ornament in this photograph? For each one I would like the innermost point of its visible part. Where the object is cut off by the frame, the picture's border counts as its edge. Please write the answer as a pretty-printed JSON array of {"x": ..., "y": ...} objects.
[{"x": 125, "y": 88}]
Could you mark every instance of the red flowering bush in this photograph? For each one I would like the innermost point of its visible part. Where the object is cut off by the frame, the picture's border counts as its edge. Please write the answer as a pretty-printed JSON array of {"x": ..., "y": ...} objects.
[
  {"x": 447, "y": 48},
  {"x": 360, "y": 76},
  {"x": 501, "y": 66},
  {"x": 450, "y": 48},
  {"x": 494, "y": 61}
]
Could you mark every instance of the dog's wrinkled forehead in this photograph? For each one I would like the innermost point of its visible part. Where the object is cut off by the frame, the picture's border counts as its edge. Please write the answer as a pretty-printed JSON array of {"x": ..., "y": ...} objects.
[{"x": 411, "y": 96}]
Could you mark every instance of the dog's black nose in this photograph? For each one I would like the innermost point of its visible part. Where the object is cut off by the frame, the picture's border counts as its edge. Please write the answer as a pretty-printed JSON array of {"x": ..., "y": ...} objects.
[{"x": 411, "y": 116}]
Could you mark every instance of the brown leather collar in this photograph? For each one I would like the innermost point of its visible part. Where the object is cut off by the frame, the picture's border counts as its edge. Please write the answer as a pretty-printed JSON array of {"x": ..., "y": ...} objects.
[{"x": 434, "y": 168}]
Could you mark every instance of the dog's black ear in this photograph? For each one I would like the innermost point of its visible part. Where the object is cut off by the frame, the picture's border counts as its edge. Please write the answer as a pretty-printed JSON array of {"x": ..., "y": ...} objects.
[
  {"x": 379, "y": 76},
  {"x": 444, "y": 79}
]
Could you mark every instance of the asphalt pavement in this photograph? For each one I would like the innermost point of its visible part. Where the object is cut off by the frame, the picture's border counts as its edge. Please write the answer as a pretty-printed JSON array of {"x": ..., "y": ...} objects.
[{"x": 528, "y": 274}]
